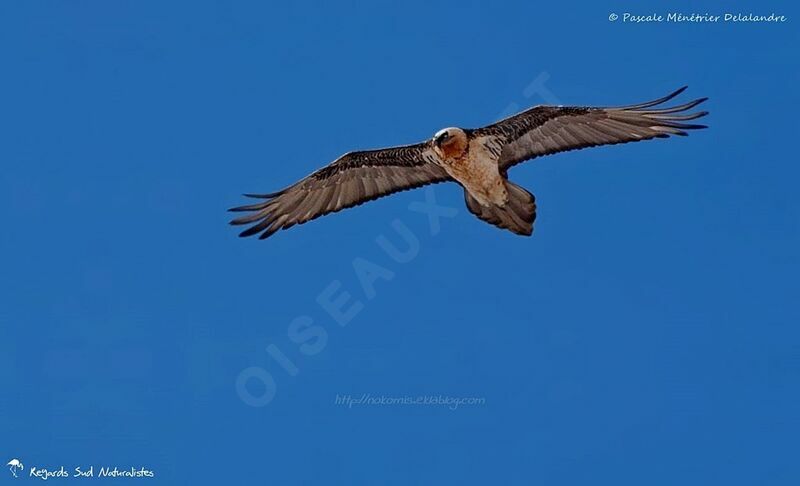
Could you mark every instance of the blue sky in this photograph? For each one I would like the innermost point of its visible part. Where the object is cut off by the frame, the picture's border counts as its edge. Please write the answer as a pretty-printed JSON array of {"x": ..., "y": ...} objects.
[{"x": 646, "y": 333}]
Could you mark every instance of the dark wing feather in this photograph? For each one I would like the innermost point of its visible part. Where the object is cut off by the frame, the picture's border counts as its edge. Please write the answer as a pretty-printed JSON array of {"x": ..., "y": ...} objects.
[
  {"x": 353, "y": 179},
  {"x": 545, "y": 130}
]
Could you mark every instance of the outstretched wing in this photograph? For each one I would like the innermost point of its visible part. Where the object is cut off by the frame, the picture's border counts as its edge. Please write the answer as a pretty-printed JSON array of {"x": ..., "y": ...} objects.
[
  {"x": 352, "y": 179},
  {"x": 545, "y": 130}
]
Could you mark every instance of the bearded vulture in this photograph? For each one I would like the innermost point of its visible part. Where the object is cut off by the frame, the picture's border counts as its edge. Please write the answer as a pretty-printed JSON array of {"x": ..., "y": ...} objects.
[{"x": 477, "y": 159}]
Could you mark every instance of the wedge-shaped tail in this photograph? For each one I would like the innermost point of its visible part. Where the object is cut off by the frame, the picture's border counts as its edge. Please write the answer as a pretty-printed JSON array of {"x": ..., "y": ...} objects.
[{"x": 516, "y": 216}]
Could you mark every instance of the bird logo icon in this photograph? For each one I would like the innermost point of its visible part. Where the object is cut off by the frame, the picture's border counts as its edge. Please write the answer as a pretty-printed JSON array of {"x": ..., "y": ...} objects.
[{"x": 14, "y": 465}]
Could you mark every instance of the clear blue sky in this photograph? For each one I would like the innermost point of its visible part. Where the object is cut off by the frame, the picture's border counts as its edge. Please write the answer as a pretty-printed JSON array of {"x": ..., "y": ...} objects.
[{"x": 646, "y": 334}]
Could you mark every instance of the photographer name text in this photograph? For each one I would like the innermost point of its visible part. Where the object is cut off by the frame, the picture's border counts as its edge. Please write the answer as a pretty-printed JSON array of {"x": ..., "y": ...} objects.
[{"x": 692, "y": 18}]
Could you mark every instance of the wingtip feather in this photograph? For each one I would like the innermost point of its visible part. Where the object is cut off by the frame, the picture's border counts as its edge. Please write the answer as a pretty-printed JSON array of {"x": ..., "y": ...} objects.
[
  {"x": 676, "y": 92},
  {"x": 249, "y": 232},
  {"x": 268, "y": 195}
]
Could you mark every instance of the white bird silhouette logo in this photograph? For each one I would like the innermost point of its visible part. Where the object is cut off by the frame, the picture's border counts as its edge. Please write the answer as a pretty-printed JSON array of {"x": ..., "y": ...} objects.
[{"x": 13, "y": 465}]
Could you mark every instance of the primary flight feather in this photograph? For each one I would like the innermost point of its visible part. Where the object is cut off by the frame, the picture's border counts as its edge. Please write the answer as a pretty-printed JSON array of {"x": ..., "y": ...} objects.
[{"x": 477, "y": 159}]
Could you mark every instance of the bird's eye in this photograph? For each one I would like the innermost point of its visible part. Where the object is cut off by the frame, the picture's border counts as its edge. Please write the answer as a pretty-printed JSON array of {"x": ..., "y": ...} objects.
[{"x": 445, "y": 136}]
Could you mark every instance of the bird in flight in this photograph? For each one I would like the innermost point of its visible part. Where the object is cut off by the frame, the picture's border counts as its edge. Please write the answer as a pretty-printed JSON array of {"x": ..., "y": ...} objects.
[{"x": 477, "y": 159}]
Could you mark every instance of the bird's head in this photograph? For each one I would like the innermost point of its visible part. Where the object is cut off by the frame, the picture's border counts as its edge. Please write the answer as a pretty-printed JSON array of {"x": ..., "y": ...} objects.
[{"x": 450, "y": 142}]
